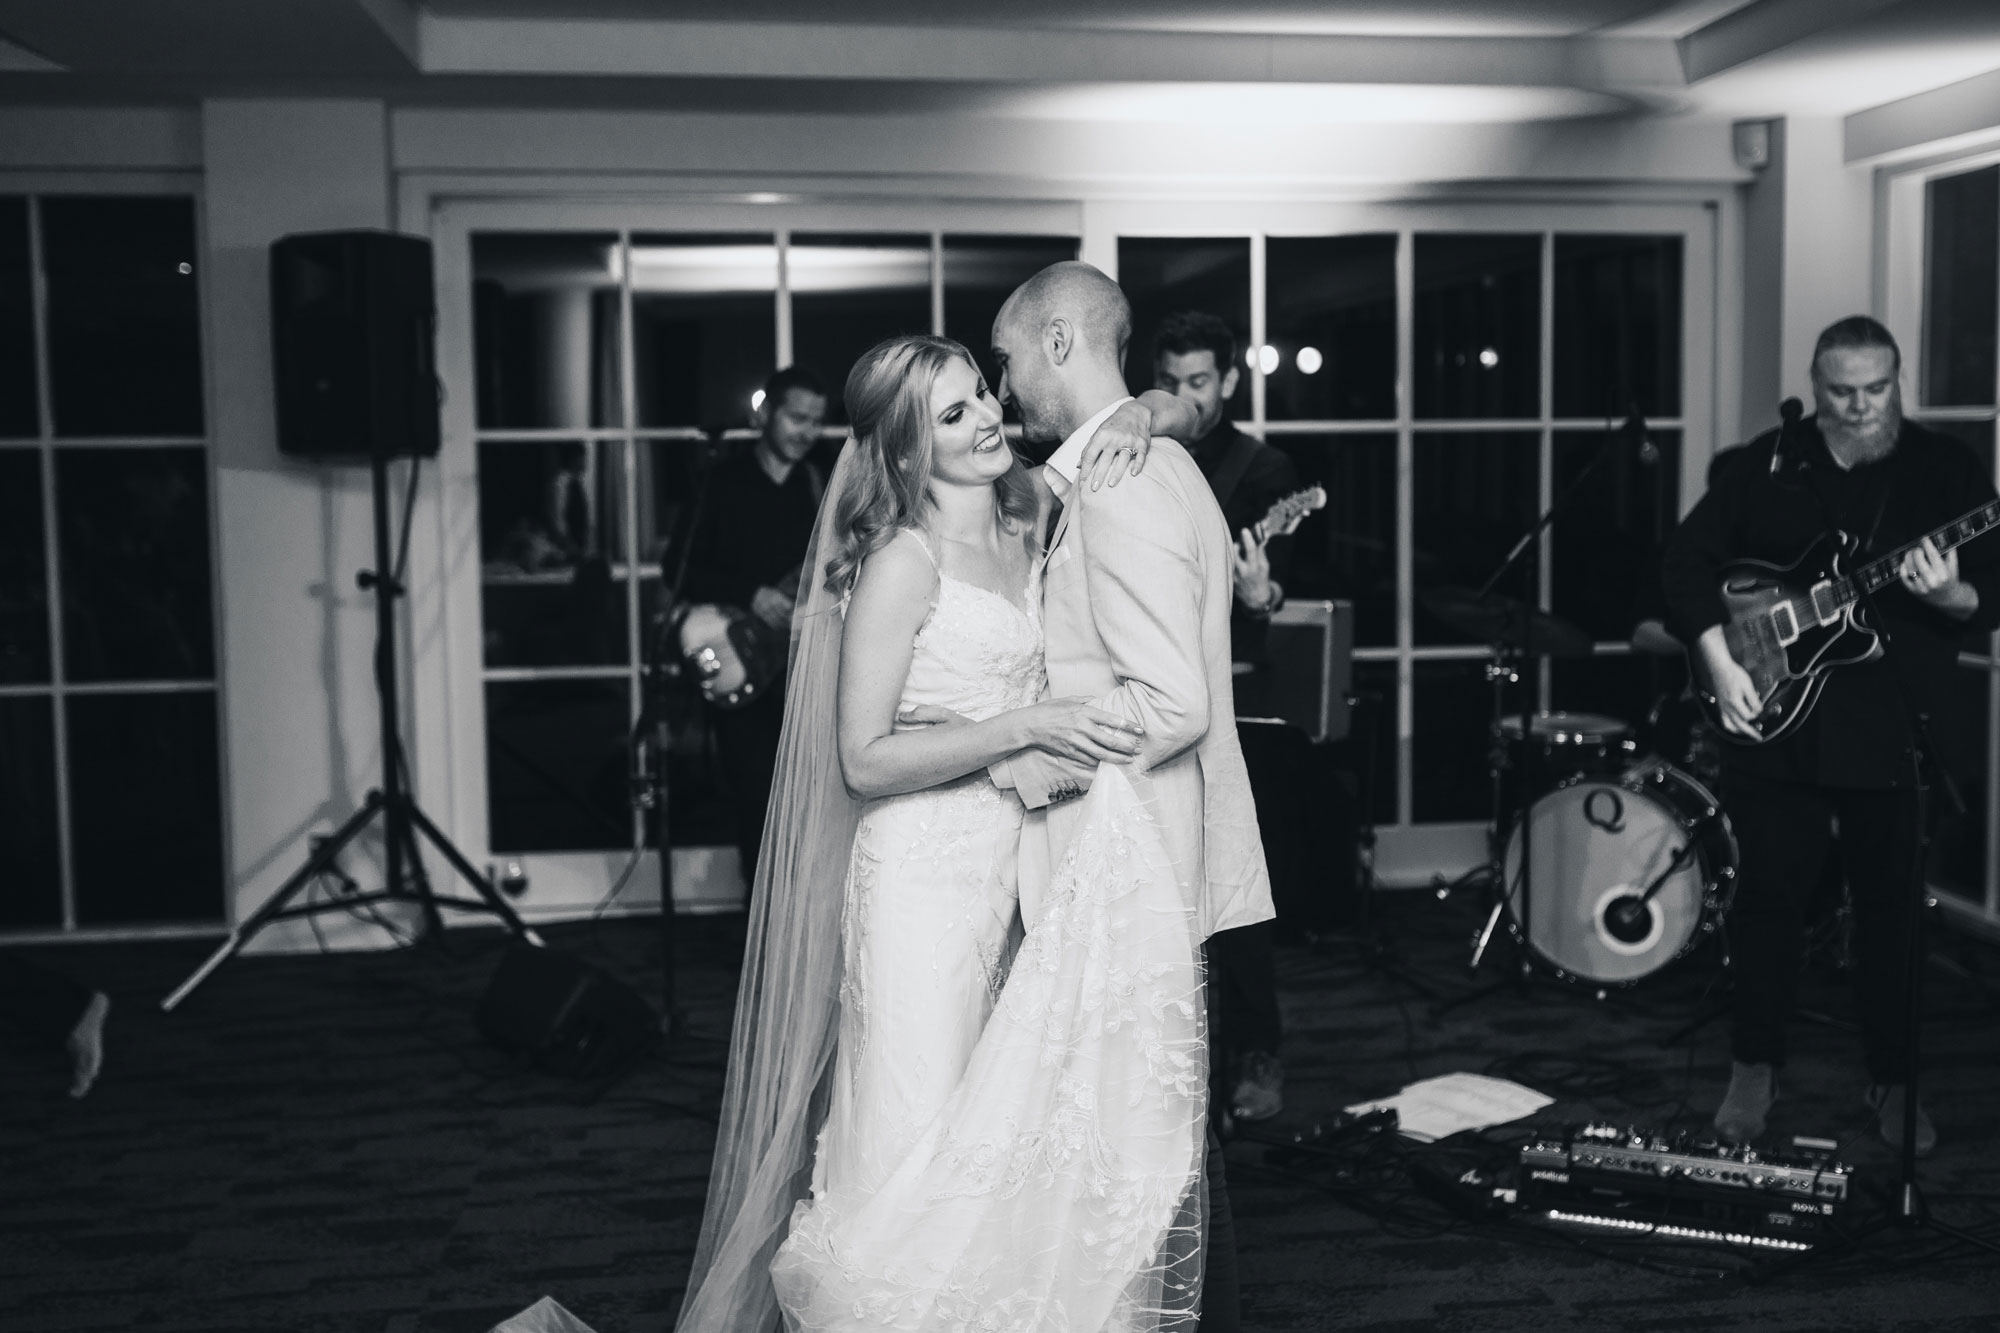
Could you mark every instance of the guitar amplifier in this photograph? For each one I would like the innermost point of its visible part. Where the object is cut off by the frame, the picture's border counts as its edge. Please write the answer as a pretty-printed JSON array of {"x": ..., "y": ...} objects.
[{"x": 1311, "y": 671}]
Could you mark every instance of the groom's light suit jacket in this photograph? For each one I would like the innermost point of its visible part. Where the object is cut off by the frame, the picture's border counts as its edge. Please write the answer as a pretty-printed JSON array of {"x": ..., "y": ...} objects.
[{"x": 1135, "y": 604}]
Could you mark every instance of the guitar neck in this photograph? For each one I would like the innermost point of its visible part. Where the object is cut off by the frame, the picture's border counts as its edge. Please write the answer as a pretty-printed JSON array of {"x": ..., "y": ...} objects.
[{"x": 1881, "y": 572}]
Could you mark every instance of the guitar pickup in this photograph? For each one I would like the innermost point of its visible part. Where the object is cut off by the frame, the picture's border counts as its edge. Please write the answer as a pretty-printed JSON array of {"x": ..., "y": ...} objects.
[
  {"x": 1786, "y": 622},
  {"x": 1823, "y": 598}
]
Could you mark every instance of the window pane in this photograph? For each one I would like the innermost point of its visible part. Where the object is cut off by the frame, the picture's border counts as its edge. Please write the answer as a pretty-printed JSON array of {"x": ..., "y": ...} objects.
[
  {"x": 1478, "y": 326},
  {"x": 124, "y": 316},
  {"x": 1450, "y": 753},
  {"x": 1605, "y": 546},
  {"x": 1331, "y": 315},
  {"x": 1370, "y": 748},
  {"x": 1624, "y": 686},
  {"x": 146, "y": 807},
  {"x": 550, "y": 554},
  {"x": 1978, "y": 434},
  {"x": 1475, "y": 494},
  {"x": 134, "y": 536},
  {"x": 1961, "y": 287},
  {"x": 1617, "y": 326},
  {"x": 545, "y": 330},
  {"x": 1162, "y": 275},
  {"x": 1348, "y": 549},
  {"x": 979, "y": 274},
  {"x": 850, "y": 292},
  {"x": 24, "y": 586},
  {"x": 1958, "y": 848},
  {"x": 31, "y": 891},
  {"x": 556, "y": 765},
  {"x": 18, "y": 401},
  {"x": 704, "y": 325}
]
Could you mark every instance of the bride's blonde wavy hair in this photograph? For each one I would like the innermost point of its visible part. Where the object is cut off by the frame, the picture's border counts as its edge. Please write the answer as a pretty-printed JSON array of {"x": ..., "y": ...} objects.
[{"x": 888, "y": 399}]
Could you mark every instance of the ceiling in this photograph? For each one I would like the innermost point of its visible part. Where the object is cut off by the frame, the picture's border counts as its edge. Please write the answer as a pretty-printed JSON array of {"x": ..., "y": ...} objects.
[{"x": 1298, "y": 61}]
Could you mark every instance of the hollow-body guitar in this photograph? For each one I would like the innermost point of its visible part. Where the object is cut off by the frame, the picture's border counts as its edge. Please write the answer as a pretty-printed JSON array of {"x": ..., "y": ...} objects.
[{"x": 1790, "y": 625}]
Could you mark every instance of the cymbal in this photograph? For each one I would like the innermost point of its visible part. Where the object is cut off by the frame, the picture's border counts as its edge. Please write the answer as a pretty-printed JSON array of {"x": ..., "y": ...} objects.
[{"x": 1498, "y": 618}]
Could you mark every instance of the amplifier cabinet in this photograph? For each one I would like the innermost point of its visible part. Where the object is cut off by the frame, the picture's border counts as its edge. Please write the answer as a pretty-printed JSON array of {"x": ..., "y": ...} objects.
[{"x": 1311, "y": 671}]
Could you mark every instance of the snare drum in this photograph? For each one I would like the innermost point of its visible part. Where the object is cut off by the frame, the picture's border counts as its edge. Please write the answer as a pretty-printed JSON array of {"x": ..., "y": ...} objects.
[
  {"x": 1599, "y": 847},
  {"x": 1564, "y": 745}
]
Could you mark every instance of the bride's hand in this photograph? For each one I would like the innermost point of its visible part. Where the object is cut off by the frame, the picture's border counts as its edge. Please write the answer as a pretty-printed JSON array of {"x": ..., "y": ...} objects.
[
  {"x": 1126, "y": 434},
  {"x": 1071, "y": 729}
]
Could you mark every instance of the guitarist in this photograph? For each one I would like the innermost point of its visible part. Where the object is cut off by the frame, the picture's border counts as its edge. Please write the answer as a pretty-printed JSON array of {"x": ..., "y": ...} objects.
[
  {"x": 745, "y": 551},
  {"x": 1195, "y": 358},
  {"x": 1856, "y": 464}
]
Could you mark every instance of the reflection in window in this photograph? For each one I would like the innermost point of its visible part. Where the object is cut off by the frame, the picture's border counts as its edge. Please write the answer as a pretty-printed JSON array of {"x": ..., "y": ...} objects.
[
  {"x": 1348, "y": 549},
  {"x": 979, "y": 274},
  {"x": 704, "y": 325},
  {"x": 1331, "y": 318},
  {"x": 135, "y": 572},
  {"x": 1961, "y": 287},
  {"x": 1162, "y": 275},
  {"x": 545, "y": 330},
  {"x": 31, "y": 891},
  {"x": 145, "y": 784},
  {"x": 19, "y": 416},
  {"x": 849, "y": 292},
  {"x": 1617, "y": 326},
  {"x": 1478, "y": 326},
  {"x": 550, "y": 554},
  {"x": 124, "y": 323},
  {"x": 1605, "y": 547},
  {"x": 24, "y": 594},
  {"x": 1475, "y": 494}
]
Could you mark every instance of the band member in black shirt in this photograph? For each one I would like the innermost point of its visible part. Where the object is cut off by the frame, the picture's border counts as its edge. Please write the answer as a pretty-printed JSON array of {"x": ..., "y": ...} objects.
[
  {"x": 745, "y": 550},
  {"x": 1856, "y": 464},
  {"x": 1195, "y": 358}
]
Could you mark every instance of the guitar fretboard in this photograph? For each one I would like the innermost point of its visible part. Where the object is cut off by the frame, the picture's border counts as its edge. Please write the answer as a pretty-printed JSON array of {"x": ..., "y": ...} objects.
[{"x": 1881, "y": 572}]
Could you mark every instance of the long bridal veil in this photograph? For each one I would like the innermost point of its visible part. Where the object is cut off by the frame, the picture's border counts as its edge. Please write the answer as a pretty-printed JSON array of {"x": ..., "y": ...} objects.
[{"x": 788, "y": 1001}]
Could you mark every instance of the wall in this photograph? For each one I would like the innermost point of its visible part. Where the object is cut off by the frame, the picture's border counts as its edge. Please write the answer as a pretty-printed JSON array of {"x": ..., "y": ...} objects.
[
  {"x": 299, "y": 702},
  {"x": 301, "y": 746}
]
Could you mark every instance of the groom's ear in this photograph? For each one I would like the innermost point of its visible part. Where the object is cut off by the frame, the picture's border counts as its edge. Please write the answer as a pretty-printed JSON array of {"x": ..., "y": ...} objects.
[{"x": 1060, "y": 339}]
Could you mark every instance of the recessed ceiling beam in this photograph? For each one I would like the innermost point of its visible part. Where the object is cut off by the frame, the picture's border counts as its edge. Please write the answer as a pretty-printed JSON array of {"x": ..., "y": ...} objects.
[
  {"x": 1762, "y": 28},
  {"x": 470, "y": 45}
]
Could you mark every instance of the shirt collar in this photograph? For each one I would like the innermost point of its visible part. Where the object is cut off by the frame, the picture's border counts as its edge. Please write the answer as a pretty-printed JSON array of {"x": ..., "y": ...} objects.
[{"x": 1067, "y": 460}]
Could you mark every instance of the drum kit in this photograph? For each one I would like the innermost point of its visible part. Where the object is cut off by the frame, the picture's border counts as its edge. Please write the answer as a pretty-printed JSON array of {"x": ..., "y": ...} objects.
[{"x": 1630, "y": 862}]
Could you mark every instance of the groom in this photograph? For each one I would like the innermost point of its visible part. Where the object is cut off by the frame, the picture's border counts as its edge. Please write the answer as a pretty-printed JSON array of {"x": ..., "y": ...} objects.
[{"x": 1136, "y": 594}]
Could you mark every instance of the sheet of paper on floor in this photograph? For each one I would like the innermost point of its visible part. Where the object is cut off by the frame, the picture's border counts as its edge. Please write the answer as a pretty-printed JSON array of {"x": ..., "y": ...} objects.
[{"x": 1436, "y": 1108}]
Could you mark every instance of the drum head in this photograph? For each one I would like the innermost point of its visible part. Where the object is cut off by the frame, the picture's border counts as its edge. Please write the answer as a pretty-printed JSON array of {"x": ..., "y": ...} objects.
[{"x": 1597, "y": 847}]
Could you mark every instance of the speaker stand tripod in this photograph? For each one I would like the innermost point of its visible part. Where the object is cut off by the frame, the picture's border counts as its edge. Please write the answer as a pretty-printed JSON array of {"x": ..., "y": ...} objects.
[{"x": 404, "y": 880}]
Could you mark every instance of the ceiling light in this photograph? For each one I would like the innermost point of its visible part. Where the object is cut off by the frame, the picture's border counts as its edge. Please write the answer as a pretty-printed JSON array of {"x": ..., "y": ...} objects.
[{"x": 1310, "y": 361}]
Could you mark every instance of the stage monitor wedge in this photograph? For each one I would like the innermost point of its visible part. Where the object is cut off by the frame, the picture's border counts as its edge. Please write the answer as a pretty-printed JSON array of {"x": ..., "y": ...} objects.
[{"x": 353, "y": 323}]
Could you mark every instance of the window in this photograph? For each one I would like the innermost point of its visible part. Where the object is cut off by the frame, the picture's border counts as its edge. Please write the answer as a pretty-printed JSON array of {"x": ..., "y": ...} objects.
[
  {"x": 587, "y": 489},
  {"x": 1526, "y": 348},
  {"x": 110, "y": 781}
]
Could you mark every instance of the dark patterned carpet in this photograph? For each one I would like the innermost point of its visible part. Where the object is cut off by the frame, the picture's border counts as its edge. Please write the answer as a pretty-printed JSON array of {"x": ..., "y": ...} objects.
[{"x": 326, "y": 1144}]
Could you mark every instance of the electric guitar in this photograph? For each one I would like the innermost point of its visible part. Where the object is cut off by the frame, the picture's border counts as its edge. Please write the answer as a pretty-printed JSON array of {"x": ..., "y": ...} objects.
[
  {"x": 1789, "y": 625},
  {"x": 1284, "y": 517},
  {"x": 732, "y": 655}
]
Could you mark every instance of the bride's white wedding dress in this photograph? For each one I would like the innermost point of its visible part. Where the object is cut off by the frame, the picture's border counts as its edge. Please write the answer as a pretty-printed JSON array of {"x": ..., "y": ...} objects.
[{"x": 1006, "y": 1147}]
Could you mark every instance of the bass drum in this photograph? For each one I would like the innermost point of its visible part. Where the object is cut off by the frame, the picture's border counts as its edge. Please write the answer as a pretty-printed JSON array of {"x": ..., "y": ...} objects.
[{"x": 1599, "y": 847}]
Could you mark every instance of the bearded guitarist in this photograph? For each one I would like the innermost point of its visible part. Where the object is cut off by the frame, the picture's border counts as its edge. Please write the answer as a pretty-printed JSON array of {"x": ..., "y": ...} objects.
[{"x": 1845, "y": 769}]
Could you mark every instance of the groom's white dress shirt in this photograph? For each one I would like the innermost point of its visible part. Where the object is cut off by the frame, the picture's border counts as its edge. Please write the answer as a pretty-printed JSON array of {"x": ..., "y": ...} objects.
[{"x": 1135, "y": 604}]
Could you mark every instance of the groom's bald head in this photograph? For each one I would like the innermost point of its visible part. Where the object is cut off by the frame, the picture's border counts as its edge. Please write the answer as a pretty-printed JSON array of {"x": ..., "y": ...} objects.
[{"x": 1060, "y": 341}]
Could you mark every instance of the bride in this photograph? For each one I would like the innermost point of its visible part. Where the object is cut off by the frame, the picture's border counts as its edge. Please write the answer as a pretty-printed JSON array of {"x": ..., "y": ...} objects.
[{"x": 935, "y": 1118}]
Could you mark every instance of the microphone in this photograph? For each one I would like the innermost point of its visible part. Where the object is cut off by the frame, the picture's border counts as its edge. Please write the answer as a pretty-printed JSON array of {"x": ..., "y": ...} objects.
[
  {"x": 1635, "y": 429},
  {"x": 1789, "y": 413}
]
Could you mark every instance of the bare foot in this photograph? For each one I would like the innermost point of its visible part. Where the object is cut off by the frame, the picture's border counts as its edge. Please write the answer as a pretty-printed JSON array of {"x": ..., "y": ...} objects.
[{"x": 86, "y": 1044}]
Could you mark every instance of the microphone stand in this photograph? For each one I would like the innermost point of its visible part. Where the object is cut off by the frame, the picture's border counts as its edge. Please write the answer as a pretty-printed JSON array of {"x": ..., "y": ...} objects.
[
  {"x": 1908, "y": 1209},
  {"x": 652, "y": 735},
  {"x": 1526, "y": 554}
]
